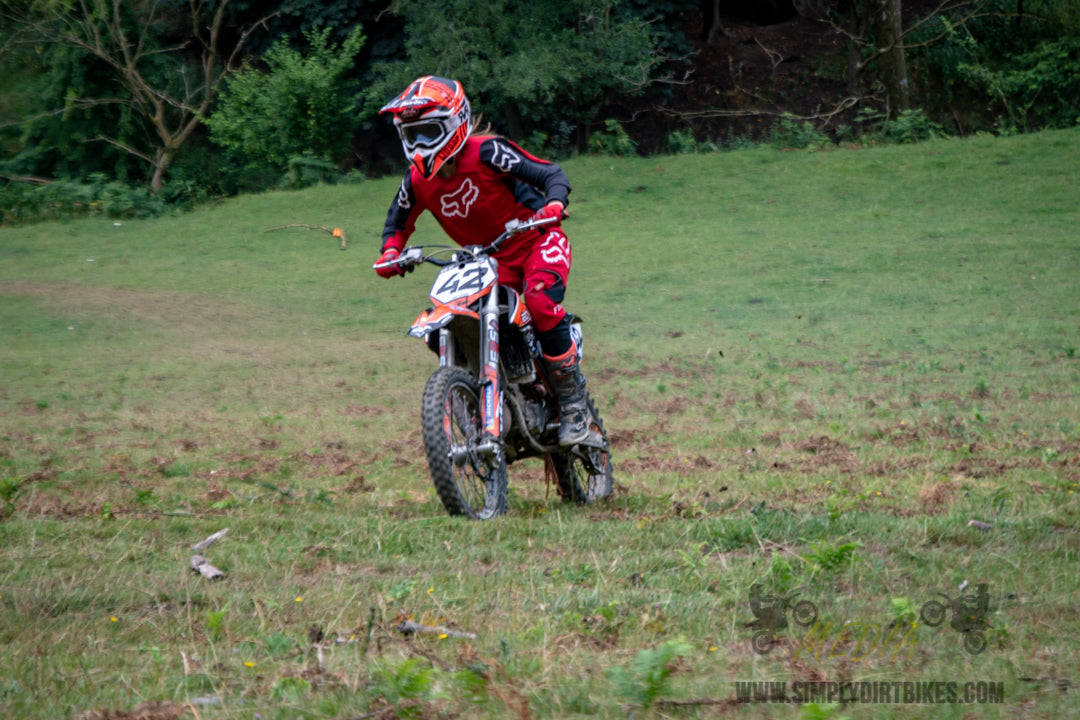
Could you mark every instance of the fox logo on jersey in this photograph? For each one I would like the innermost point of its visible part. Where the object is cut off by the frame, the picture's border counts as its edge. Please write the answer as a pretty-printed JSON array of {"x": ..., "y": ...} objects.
[
  {"x": 458, "y": 202},
  {"x": 403, "y": 197},
  {"x": 505, "y": 158}
]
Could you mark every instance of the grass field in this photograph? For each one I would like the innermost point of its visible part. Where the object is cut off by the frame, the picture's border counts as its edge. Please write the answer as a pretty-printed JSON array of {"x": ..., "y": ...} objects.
[{"x": 816, "y": 368}]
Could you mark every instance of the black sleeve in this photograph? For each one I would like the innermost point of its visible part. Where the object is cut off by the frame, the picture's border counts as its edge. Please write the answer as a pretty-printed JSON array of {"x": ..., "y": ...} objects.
[
  {"x": 505, "y": 157},
  {"x": 401, "y": 219}
]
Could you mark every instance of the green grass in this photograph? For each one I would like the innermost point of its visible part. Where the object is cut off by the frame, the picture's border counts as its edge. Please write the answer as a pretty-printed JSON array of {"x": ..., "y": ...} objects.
[{"x": 816, "y": 368}]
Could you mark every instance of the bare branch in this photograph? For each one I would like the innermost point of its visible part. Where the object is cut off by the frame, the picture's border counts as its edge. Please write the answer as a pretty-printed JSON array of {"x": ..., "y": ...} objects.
[
  {"x": 126, "y": 148},
  {"x": 29, "y": 179},
  {"x": 73, "y": 104},
  {"x": 774, "y": 57},
  {"x": 843, "y": 105},
  {"x": 646, "y": 67}
]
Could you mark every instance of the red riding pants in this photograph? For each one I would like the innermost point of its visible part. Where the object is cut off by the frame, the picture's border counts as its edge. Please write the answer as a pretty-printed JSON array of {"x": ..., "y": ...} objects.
[{"x": 538, "y": 268}]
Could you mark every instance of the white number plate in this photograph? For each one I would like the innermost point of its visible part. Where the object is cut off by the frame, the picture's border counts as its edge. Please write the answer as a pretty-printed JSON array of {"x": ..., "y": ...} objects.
[{"x": 456, "y": 282}]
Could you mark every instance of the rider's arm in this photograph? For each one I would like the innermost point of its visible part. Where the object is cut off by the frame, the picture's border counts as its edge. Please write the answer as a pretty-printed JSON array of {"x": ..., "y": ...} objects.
[
  {"x": 401, "y": 218},
  {"x": 505, "y": 157}
]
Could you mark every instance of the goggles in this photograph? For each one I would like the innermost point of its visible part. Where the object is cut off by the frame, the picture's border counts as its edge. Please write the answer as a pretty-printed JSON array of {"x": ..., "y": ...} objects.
[{"x": 422, "y": 134}]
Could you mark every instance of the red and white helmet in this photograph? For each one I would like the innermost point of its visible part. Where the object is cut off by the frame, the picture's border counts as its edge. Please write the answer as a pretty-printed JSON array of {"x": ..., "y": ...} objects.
[{"x": 432, "y": 119}]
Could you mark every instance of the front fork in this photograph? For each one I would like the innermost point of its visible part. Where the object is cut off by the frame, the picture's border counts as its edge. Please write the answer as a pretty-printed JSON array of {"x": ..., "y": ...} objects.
[
  {"x": 491, "y": 417},
  {"x": 490, "y": 387}
]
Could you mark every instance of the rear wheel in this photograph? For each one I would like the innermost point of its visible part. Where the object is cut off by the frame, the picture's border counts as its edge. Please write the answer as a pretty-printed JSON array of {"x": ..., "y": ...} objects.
[
  {"x": 585, "y": 476},
  {"x": 804, "y": 613},
  {"x": 932, "y": 613},
  {"x": 469, "y": 474}
]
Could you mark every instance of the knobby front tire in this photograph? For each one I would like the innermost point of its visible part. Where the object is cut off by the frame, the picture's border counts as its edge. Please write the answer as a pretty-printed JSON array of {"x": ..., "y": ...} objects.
[{"x": 468, "y": 482}]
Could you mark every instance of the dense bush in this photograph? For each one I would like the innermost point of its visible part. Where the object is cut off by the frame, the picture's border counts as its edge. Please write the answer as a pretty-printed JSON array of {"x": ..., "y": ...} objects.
[
  {"x": 1000, "y": 69},
  {"x": 302, "y": 103},
  {"x": 791, "y": 133},
  {"x": 613, "y": 140},
  {"x": 22, "y": 202}
]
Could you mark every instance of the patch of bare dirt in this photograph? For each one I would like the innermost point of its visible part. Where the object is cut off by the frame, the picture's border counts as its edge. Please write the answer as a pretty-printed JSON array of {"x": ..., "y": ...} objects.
[
  {"x": 674, "y": 465},
  {"x": 978, "y": 468},
  {"x": 935, "y": 497},
  {"x": 173, "y": 308},
  {"x": 73, "y": 505}
]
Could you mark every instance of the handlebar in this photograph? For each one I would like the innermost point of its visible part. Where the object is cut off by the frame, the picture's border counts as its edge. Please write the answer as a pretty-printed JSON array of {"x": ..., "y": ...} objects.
[{"x": 414, "y": 255}]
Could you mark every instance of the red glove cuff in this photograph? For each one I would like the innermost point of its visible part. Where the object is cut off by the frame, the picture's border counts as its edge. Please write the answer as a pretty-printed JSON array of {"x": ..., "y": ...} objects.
[{"x": 394, "y": 242}]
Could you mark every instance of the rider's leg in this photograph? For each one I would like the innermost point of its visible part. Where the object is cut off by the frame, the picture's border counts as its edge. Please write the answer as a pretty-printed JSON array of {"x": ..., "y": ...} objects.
[
  {"x": 545, "y": 273},
  {"x": 567, "y": 382}
]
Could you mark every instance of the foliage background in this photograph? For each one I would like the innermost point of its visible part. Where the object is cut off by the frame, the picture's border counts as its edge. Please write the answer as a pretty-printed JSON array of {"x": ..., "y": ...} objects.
[{"x": 550, "y": 74}]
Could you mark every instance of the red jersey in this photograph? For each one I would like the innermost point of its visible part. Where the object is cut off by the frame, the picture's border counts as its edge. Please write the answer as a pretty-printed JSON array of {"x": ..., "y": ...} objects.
[{"x": 495, "y": 182}]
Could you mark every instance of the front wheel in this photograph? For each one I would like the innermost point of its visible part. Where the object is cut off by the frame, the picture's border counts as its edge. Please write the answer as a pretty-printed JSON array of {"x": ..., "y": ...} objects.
[
  {"x": 585, "y": 476},
  {"x": 469, "y": 474}
]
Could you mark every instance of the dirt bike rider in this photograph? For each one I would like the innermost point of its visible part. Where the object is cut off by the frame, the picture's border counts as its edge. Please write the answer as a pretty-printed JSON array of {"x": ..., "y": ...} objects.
[
  {"x": 769, "y": 610},
  {"x": 474, "y": 183},
  {"x": 969, "y": 611}
]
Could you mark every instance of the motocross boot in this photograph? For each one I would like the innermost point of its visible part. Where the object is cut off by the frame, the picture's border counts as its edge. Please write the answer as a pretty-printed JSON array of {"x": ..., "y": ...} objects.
[{"x": 569, "y": 386}]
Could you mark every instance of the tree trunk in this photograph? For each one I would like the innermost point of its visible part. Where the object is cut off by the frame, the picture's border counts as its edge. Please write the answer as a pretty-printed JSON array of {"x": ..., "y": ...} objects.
[
  {"x": 513, "y": 122},
  {"x": 712, "y": 28},
  {"x": 163, "y": 160},
  {"x": 888, "y": 31},
  {"x": 854, "y": 66}
]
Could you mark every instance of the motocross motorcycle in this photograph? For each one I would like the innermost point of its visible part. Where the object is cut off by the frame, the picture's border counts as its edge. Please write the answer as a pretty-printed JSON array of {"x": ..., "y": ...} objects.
[{"x": 490, "y": 402}]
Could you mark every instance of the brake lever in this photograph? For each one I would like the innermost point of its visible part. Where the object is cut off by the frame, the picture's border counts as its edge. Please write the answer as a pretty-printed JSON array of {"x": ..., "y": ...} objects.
[
  {"x": 515, "y": 226},
  {"x": 407, "y": 260}
]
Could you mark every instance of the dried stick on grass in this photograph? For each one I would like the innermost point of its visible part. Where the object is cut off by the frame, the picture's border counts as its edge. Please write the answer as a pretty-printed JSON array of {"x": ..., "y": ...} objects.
[
  {"x": 335, "y": 232},
  {"x": 200, "y": 565},
  {"x": 210, "y": 541},
  {"x": 408, "y": 627}
]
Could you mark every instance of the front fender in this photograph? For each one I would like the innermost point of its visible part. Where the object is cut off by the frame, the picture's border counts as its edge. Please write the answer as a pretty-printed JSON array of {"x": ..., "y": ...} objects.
[{"x": 438, "y": 317}]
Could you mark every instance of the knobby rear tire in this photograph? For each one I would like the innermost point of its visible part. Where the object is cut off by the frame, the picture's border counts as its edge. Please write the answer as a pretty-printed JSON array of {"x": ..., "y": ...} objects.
[
  {"x": 452, "y": 425},
  {"x": 576, "y": 483}
]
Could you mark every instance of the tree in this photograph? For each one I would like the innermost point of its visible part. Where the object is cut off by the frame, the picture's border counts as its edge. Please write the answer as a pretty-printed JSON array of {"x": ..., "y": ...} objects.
[
  {"x": 169, "y": 87},
  {"x": 532, "y": 66},
  {"x": 889, "y": 32},
  {"x": 876, "y": 34}
]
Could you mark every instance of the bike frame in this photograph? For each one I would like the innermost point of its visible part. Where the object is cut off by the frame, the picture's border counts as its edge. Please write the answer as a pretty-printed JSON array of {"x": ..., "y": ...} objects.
[{"x": 473, "y": 275}]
